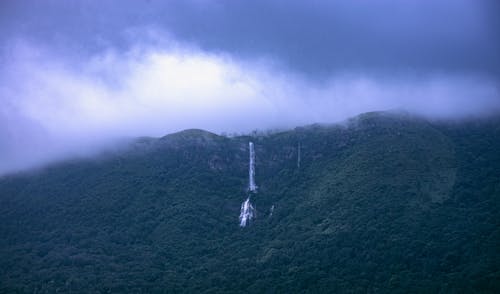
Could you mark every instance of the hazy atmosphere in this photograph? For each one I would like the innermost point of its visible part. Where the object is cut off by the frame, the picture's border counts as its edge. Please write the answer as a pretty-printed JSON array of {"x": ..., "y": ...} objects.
[{"x": 77, "y": 75}]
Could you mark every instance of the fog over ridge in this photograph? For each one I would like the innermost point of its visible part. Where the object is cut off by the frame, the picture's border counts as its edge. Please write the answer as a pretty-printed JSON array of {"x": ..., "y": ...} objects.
[{"x": 72, "y": 83}]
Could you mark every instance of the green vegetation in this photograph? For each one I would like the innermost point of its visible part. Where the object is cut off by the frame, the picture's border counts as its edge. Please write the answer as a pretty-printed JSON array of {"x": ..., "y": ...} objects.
[{"x": 383, "y": 203}]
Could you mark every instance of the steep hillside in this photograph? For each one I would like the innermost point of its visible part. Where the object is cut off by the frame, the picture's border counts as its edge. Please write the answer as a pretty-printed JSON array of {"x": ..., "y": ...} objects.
[{"x": 384, "y": 202}]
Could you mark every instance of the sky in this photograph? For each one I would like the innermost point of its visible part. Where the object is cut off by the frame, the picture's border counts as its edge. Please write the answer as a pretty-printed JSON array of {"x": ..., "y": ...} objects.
[{"x": 75, "y": 76}]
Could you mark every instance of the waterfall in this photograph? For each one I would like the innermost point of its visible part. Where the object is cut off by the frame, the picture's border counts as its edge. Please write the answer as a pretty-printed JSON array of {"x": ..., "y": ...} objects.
[
  {"x": 247, "y": 211},
  {"x": 298, "y": 155},
  {"x": 251, "y": 170},
  {"x": 271, "y": 210}
]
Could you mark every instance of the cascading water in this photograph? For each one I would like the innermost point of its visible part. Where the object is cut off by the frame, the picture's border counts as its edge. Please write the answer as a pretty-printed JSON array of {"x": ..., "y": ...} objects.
[
  {"x": 247, "y": 210},
  {"x": 251, "y": 170},
  {"x": 271, "y": 210},
  {"x": 246, "y": 213}
]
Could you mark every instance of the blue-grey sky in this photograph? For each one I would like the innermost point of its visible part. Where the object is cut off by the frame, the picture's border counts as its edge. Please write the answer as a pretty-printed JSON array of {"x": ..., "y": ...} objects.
[
  {"x": 78, "y": 74},
  {"x": 312, "y": 37}
]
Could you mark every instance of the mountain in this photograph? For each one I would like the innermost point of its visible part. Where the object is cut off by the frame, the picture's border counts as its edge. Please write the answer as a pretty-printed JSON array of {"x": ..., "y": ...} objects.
[{"x": 383, "y": 202}]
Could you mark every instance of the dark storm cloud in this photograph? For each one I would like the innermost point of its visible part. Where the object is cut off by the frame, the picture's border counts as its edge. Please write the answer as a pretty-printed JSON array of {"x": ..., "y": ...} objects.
[
  {"x": 313, "y": 37},
  {"x": 326, "y": 36}
]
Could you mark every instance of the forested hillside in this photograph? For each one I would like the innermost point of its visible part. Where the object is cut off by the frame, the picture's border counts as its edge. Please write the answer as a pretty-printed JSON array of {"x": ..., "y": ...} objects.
[{"x": 381, "y": 203}]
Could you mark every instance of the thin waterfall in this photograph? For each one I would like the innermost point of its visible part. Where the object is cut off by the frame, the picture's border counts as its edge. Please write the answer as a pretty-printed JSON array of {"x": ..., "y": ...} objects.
[
  {"x": 251, "y": 170},
  {"x": 247, "y": 211},
  {"x": 271, "y": 211},
  {"x": 298, "y": 155}
]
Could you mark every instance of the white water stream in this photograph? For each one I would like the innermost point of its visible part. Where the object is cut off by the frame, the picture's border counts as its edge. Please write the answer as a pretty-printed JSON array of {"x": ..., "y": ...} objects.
[{"x": 247, "y": 210}]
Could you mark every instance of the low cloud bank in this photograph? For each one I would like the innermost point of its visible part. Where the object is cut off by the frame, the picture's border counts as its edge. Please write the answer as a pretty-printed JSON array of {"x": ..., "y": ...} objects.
[{"x": 54, "y": 107}]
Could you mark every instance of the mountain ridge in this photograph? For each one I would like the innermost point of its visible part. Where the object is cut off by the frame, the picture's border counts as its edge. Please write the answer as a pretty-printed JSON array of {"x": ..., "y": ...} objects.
[{"x": 379, "y": 203}]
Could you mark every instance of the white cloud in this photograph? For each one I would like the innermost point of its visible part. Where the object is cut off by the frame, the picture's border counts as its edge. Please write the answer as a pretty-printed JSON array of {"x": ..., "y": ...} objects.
[{"x": 151, "y": 91}]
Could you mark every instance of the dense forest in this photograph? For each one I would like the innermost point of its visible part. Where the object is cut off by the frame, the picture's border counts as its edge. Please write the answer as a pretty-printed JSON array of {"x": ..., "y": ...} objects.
[{"x": 383, "y": 202}]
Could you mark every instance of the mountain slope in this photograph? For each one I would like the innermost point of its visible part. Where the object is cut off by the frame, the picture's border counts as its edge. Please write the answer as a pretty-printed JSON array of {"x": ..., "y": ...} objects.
[{"x": 384, "y": 202}]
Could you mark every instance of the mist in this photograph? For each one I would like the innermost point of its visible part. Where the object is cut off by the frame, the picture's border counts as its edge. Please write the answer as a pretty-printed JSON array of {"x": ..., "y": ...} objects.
[{"x": 66, "y": 92}]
